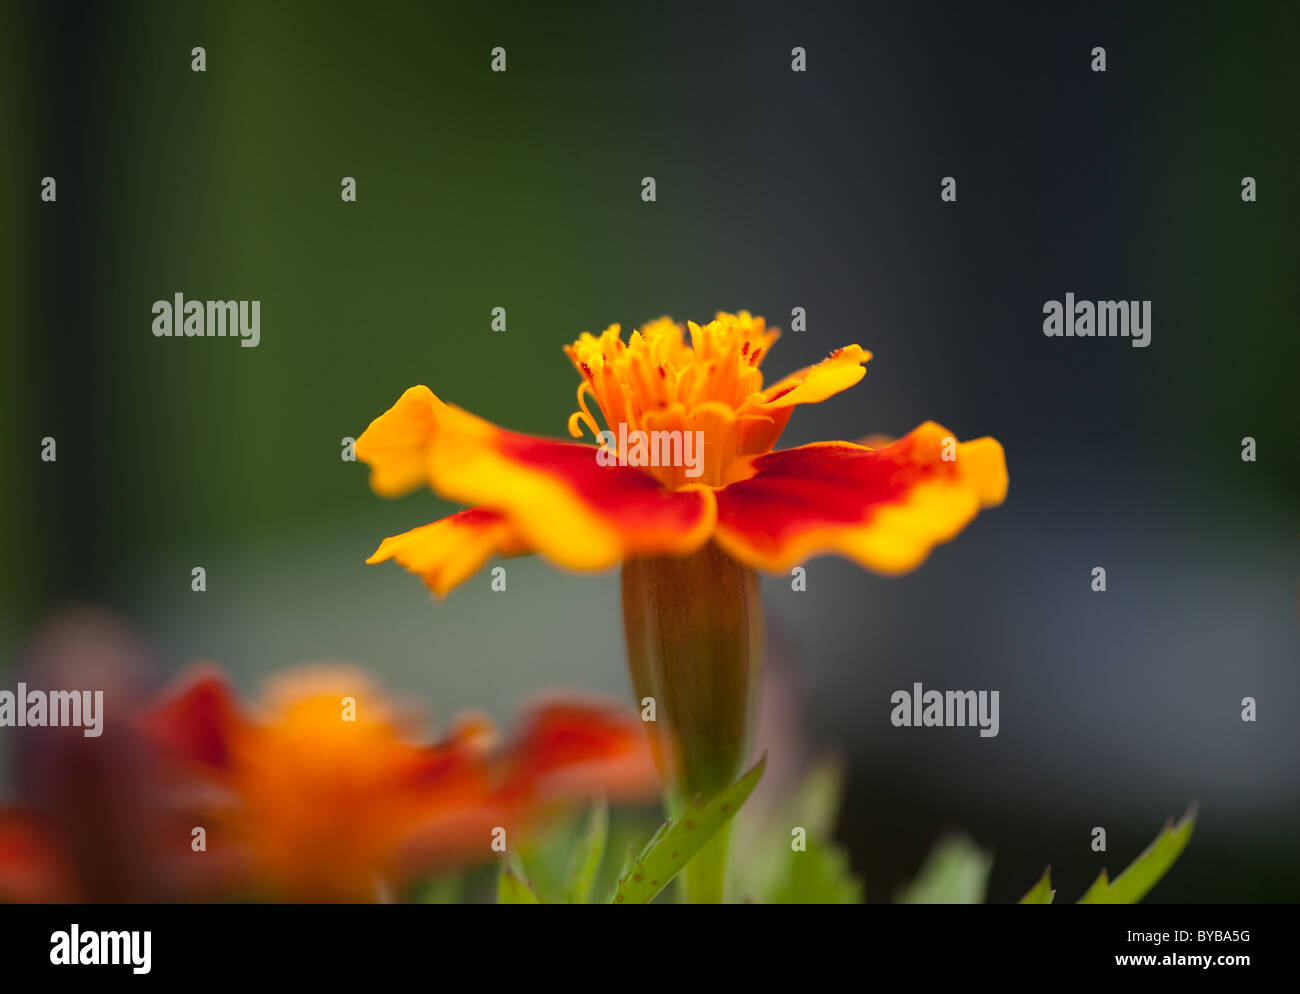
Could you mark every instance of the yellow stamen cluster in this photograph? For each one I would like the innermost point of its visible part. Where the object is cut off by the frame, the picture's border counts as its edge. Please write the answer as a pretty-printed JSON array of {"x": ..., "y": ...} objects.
[{"x": 656, "y": 381}]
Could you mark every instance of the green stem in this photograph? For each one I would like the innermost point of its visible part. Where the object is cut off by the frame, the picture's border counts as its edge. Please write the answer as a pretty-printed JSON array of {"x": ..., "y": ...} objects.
[
  {"x": 705, "y": 875},
  {"x": 694, "y": 629}
]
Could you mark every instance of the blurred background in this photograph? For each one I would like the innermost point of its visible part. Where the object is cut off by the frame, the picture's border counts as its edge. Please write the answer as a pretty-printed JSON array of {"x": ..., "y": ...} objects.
[{"x": 775, "y": 190}]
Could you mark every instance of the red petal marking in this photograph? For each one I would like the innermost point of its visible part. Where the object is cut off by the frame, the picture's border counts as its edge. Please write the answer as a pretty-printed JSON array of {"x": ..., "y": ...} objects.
[
  {"x": 823, "y": 497},
  {"x": 628, "y": 497}
]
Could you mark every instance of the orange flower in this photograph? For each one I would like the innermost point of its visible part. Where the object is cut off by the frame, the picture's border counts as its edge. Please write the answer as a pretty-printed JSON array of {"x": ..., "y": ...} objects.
[
  {"x": 685, "y": 490},
  {"x": 589, "y": 507},
  {"x": 323, "y": 794}
]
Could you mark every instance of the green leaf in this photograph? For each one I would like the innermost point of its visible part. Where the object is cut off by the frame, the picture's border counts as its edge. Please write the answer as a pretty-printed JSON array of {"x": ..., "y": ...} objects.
[
  {"x": 1041, "y": 892},
  {"x": 632, "y": 857},
  {"x": 541, "y": 858},
  {"x": 588, "y": 854},
  {"x": 680, "y": 839},
  {"x": 513, "y": 889},
  {"x": 955, "y": 872},
  {"x": 819, "y": 875},
  {"x": 627, "y": 835},
  {"x": 629, "y": 863},
  {"x": 1144, "y": 872}
]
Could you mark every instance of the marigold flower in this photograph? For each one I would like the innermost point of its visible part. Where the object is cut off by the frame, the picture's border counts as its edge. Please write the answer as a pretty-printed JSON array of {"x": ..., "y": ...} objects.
[
  {"x": 298, "y": 801},
  {"x": 884, "y": 507},
  {"x": 690, "y": 532},
  {"x": 322, "y": 792}
]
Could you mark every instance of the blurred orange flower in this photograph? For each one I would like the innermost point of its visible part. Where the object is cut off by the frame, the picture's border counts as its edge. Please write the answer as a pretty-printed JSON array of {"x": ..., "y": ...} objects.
[{"x": 324, "y": 792}]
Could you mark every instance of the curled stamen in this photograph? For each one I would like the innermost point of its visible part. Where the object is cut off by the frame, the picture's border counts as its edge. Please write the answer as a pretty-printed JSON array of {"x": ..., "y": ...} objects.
[{"x": 583, "y": 416}]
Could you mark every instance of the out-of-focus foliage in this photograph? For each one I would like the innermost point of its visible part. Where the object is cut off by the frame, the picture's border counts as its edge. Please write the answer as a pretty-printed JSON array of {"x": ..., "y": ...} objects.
[
  {"x": 770, "y": 869},
  {"x": 955, "y": 872},
  {"x": 1144, "y": 872},
  {"x": 819, "y": 875}
]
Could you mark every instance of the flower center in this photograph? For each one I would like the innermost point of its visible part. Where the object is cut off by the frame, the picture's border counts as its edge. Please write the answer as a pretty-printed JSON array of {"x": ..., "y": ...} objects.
[{"x": 659, "y": 394}]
